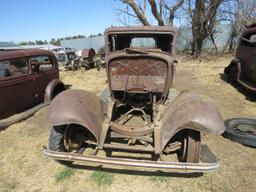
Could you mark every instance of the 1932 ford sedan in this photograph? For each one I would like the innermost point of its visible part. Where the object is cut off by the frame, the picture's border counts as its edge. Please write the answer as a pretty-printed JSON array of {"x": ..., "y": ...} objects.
[
  {"x": 138, "y": 112},
  {"x": 27, "y": 77}
]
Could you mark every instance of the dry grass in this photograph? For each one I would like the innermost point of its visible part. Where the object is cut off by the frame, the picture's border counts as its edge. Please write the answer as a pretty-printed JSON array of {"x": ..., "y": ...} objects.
[{"x": 24, "y": 168}]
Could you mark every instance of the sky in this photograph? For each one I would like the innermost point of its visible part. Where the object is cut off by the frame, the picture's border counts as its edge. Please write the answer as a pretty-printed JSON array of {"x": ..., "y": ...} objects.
[{"x": 30, "y": 20}]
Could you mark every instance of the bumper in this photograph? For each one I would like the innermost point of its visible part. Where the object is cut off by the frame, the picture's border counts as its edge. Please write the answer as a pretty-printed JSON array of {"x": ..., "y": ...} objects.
[{"x": 210, "y": 163}]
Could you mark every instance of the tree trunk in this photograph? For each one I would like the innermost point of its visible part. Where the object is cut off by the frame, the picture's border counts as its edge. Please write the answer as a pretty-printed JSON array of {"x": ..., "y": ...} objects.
[{"x": 199, "y": 46}]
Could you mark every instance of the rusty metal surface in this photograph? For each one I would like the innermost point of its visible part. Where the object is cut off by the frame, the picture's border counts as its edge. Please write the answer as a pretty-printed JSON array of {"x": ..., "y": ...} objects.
[
  {"x": 78, "y": 107},
  {"x": 141, "y": 70},
  {"x": 5, "y": 55},
  {"x": 140, "y": 29},
  {"x": 23, "y": 91},
  {"x": 242, "y": 69},
  {"x": 138, "y": 111},
  {"x": 54, "y": 85},
  {"x": 88, "y": 53},
  {"x": 164, "y": 165},
  {"x": 188, "y": 111}
]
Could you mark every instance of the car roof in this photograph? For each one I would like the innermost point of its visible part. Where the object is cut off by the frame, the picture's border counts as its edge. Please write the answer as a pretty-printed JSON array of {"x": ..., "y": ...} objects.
[
  {"x": 141, "y": 29},
  {"x": 19, "y": 53}
]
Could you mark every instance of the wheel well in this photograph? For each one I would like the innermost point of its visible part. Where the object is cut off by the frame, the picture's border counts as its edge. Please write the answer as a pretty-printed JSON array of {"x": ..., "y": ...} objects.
[
  {"x": 79, "y": 132},
  {"x": 58, "y": 88},
  {"x": 181, "y": 133}
]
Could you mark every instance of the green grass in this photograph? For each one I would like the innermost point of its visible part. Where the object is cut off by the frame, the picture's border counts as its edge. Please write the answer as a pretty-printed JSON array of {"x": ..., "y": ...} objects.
[
  {"x": 64, "y": 174},
  {"x": 102, "y": 178}
]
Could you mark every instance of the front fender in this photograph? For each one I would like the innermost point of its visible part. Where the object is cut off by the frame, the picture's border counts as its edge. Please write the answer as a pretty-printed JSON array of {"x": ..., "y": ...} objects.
[
  {"x": 188, "y": 111},
  {"x": 78, "y": 107},
  {"x": 234, "y": 63}
]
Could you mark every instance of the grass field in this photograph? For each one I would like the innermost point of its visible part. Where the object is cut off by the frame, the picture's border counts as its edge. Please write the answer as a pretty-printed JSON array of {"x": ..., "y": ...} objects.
[{"x": 24, "y": 168}]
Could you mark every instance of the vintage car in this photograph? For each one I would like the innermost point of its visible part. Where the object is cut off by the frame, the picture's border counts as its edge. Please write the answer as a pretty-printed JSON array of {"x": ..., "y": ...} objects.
[
  {"x": 242, "y": 69},
  {"x": 27, "y": 78},
  {"x": 67, "y": 57},
  {"x": 138, "y": 112},
  {"x": 86, "y": 58}
]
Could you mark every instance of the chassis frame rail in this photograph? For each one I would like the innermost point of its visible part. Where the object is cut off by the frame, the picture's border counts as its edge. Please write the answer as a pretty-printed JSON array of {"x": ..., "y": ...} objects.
[{"x": 194, "y": 167}]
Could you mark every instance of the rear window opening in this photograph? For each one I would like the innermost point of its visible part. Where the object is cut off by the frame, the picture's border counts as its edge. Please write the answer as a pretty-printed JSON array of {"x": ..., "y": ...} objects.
[
  {"x": 41, "y": 63},
  {"x": 143, "y": 42}
]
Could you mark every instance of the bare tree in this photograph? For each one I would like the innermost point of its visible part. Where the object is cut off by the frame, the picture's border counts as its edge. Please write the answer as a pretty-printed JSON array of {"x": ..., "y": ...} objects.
[
  {"x": 242, "y": 14},
  {"x": 158, "y": 9},
  {"x": 139, "y": 12},
  {"x": 203, "y": 17}
]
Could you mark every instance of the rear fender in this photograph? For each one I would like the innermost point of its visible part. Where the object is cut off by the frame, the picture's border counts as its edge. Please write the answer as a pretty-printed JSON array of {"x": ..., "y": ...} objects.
[
  {"x": 78, "y": 107},
  {"x": 188, "y": 111},
  {"x": 53, "y": 88},
  {"x": 234, "y": 63}
]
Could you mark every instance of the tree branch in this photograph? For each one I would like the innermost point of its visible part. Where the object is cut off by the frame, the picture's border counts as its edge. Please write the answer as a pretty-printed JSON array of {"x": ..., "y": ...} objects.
[
  {"x": 137, "y": 11},
  {"x": 155, "y": 13},
  {"x": 172, "y": 10}
]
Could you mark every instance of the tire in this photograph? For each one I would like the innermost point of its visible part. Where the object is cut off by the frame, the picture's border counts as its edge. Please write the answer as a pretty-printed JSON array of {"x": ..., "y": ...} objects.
[
  {"x": 191, "y": 147},
  {"x": 58, "y": 140},
  {"x": 242, "y": 130}
]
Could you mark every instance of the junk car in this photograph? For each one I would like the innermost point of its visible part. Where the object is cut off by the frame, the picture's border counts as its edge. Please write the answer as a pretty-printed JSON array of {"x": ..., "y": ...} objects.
[
  {"x": 27, "y": 78},
  {"x": 87, "y": 58},
  {"x": 242, "y": 69},
  {"x": 138, "y": 113},
  {"x": 99, "y": 59},
  {"x": 67, "y": 57}
]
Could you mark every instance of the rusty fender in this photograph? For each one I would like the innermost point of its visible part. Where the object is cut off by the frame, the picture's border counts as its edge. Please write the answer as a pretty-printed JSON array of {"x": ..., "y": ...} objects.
[
  {"x": 78, "y": 107},
  {"x": 187, "y": 111},
  {"x": 54, "y": 85}
]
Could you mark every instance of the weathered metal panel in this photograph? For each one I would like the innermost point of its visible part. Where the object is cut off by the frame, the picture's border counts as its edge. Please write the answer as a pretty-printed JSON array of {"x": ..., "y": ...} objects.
[
  {"x": 22, "y": 91},
  {"x": 188, "y": 111},
  {"x": 78, "y": 107}
]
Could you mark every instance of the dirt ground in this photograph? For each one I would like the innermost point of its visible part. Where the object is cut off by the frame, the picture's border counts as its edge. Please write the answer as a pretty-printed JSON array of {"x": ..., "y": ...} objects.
[{"x": 24, "y": 168}]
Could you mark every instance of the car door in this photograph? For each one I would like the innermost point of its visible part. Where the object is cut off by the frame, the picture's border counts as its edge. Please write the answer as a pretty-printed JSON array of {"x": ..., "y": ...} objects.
[
  {"x": 44, "y": 68},
  {"x": 16, "y": 87}
]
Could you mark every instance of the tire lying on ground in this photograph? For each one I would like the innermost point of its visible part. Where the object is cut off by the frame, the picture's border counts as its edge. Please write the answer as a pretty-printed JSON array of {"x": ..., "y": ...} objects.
[{"x": 242, "y": 130}]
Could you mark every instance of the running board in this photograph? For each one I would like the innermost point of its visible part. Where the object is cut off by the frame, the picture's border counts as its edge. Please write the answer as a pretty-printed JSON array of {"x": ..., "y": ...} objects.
[{"x": 205, "y": 166}]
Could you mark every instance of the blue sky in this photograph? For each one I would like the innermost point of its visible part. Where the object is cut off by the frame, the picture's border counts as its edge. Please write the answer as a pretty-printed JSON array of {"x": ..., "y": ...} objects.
[{"x": 23, "y": 20}]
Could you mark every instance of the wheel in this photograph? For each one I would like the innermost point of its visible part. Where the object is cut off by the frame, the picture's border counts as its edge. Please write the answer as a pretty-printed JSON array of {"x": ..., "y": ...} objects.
[
  {"x": 191, "y": 147},
  {"x": 67, "y": 138},
  {"x": 242, "y": 130},
  {"x": 74, "y": 65}
]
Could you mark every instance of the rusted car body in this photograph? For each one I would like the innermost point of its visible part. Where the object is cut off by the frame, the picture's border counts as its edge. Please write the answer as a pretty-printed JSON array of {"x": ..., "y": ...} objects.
[
  {"x": 27, "y": 77},
  {"x": 138, "y": 112},
  {"x": 242, "y": 69},
  {"x": 86, "y": 59},
  {"x": 67, "y": 57}
]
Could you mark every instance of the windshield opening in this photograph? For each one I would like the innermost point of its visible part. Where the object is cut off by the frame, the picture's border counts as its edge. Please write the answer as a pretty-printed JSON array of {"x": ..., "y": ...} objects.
[{"x": 119, "y": 42}]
